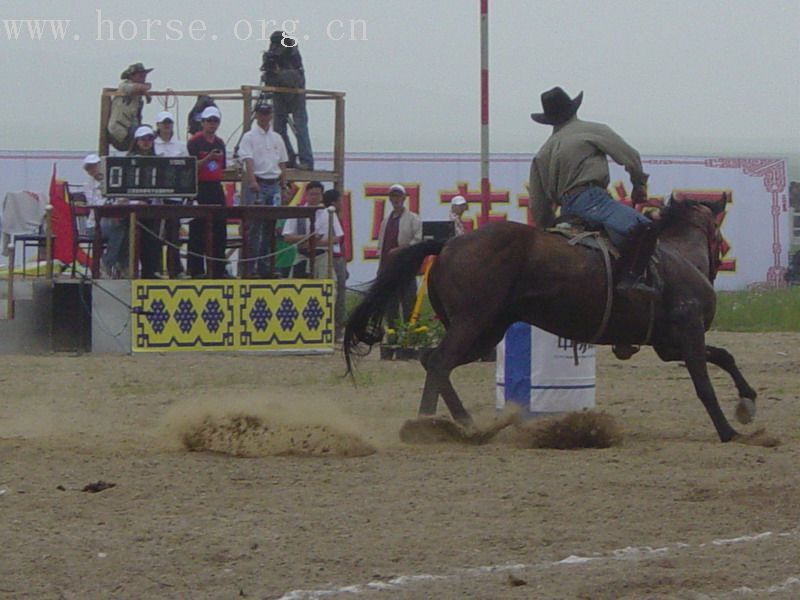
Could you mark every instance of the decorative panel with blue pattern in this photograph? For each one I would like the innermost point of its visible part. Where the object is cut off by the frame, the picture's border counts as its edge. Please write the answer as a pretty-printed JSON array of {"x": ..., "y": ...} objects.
[{"x": 203, "y": 315}]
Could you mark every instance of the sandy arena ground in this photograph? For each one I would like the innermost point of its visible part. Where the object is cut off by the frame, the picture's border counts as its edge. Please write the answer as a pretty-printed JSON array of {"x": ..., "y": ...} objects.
[{"x": 671, "y": 513}]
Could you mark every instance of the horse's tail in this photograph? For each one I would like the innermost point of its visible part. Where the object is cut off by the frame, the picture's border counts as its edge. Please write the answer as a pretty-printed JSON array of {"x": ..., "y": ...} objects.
[{"x": 365, "y": 323}]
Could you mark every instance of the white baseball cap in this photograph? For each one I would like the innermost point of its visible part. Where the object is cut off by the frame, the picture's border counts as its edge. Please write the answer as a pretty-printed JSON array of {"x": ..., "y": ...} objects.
[
  {"x": 397, "y": 188},
  {"x": 143, "y": 131},
  {"x": 164, "y": 115},
  {"x": 211, "y": 111},
  {"x": 91, "y": 159},
  {"x": 458, "y": 200}
]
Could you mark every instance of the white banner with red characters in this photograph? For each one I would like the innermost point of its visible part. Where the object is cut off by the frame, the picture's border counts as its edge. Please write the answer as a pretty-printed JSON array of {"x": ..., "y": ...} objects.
[{"x": 755, "y": 226}]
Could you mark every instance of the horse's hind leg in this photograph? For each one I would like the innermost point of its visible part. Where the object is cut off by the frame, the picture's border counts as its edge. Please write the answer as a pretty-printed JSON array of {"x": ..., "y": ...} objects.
[
  {"x": 463, "y": 343},
  {"x": 746, "y": 409},
  {"x": 437, "y": 381}
]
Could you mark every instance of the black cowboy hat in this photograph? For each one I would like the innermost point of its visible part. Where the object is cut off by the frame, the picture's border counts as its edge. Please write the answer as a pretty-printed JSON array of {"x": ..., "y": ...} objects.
[{"x": 558, "y": 107}]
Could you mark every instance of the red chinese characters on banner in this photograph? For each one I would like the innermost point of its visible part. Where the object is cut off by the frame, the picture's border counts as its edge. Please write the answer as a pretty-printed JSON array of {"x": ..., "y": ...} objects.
[{"x": 475, "y": 199}]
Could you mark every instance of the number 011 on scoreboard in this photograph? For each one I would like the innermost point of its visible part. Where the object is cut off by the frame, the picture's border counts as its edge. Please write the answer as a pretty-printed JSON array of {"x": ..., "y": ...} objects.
[{"x": 150, "y": 176}]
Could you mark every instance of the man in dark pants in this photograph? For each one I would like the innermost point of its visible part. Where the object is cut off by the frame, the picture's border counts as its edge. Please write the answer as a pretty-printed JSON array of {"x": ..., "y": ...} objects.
[
  {"x": 210, "y": 152},
  {"x": 283, "y": 67},
  {"x": 399, "y": 229}
]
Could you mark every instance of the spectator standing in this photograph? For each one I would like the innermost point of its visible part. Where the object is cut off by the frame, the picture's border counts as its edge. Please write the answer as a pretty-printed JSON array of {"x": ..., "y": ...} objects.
[
  {"x": 149, "y": 240},
  {"x": 264, "y": 156},
  {"x": 167, "y": 144},
  {"x": 458, "y": 205},
  {"x": 92, "y": 189},
  {"x": 210, "y": 152},
  {"x": 399, "y": 229},
  {"x": 126, "y": 109},
  {"x": 296, "y": 231},
  {"x": 114, "y": 260},
  {"x": 194, "y": 120},
  {"x": 332, "y": 201},
  {"x": 282, "y": 66}
]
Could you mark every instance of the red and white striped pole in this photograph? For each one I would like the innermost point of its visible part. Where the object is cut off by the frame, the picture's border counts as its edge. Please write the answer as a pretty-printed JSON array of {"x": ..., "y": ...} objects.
[{"x": 485, "y": 203}]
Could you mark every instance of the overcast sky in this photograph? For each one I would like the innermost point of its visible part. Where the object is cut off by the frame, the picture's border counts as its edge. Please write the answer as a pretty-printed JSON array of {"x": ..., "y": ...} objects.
[{"x": 672, "y": 76}]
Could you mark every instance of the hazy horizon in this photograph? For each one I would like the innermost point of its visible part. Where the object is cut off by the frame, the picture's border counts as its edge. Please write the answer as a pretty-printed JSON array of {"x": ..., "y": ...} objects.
[{"x": 673, "y": 77}]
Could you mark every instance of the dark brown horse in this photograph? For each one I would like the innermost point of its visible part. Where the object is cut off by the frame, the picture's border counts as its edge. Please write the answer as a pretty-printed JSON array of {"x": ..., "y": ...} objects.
[{"x": 484, "y": 281}]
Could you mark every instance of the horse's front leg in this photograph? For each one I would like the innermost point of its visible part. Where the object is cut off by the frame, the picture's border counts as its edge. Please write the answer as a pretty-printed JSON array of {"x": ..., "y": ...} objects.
[
  {"x": 694, "y": 354},
  {"x": 746, "y": 408}
]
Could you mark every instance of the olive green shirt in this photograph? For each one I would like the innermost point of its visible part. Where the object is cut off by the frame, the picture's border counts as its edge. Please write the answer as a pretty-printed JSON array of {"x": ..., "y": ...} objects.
[
  {"x": 126, "y": 111},
  {"x": 576, "y": 154}
]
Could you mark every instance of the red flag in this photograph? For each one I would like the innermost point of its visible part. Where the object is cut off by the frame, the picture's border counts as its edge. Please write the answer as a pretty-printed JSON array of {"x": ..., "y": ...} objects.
[{"x": 64, "y": 247}]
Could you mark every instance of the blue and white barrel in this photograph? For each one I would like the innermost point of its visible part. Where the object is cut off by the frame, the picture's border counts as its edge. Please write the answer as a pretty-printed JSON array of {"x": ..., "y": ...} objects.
[{"x": 538, "y": 371}]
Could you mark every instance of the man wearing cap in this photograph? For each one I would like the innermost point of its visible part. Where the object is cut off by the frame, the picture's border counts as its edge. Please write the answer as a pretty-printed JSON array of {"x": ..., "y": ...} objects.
[
  {"x": 458, "y": 205},
  {"x": 571, "y": 170},
  {"x": 126, "y": 109},
  {"x": 264, "y": 155},
  {"x": 283, "y": 67},
  {"x": 115, "y": 231},
  {"x": 400, "y": 228},
  {"x": 210, "y": 152}
]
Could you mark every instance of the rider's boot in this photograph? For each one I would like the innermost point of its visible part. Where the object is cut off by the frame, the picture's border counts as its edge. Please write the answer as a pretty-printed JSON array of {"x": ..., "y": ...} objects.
[{"x": 632, "y": 283}]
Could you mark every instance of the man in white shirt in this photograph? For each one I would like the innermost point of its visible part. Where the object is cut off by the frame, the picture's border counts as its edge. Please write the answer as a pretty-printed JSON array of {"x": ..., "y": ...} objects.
[
  {"x": 332, "y": 201},
  {"x": 115, "y": 231},
  {"x": 264, "y": 156},
  {"x": 295, "y": 231}
]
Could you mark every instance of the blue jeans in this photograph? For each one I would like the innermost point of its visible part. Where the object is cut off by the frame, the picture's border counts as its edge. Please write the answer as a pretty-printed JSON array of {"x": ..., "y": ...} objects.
[
  {"x": 597, "y": 208},
  {"x": 294, "y": 104},
  {"x": 116, "y": 254},
  {"x": 258, "y": 242}
]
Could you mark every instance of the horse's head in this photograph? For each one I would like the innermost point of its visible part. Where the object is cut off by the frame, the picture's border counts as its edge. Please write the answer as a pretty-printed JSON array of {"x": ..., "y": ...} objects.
[{"x": 695, "y": 225}]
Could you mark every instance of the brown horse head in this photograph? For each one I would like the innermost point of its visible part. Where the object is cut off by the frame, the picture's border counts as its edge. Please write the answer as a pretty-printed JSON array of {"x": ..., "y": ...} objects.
[{"x": 687, "y": 221}]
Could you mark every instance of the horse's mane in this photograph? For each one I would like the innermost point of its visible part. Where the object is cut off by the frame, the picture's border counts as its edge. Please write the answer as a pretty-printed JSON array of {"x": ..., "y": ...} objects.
[{"x": 699, "y": 215}]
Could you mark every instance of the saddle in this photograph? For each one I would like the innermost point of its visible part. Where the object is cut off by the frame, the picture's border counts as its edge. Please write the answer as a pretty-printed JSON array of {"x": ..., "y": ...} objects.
[{"x": 579, "y": 233}]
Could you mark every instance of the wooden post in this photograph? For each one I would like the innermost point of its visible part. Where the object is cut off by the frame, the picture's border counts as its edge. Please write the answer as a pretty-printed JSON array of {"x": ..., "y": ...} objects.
[
  {"x": 105, "y": 114},
  {"x": 48, "y": 241},
  {"x": 133, "y": 246},
  {"x": 10, "y": 299},
  {"x": 329, "y": 254},
  {"x": 97, "y": 247},
  {"x": 247, "y": 111},
  {"x": 338, "y": 145},
  {"x": 273, "y": 243}
]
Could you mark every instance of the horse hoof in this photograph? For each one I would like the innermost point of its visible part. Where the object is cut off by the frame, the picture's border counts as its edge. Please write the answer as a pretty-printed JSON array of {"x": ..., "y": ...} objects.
[{"x": 745, "y": 411}]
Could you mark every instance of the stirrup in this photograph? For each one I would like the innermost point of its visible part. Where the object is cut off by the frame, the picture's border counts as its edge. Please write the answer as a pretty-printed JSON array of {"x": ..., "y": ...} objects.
[{"x": 636, "y": 290}]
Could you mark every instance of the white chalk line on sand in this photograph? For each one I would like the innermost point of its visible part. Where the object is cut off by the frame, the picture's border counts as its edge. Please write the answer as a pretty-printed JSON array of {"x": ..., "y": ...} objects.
[{"x": 627, "y": 553}]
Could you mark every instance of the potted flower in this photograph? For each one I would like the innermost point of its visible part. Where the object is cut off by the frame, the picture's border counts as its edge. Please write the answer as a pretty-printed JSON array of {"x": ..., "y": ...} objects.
[{"x": 405, "y": 340}]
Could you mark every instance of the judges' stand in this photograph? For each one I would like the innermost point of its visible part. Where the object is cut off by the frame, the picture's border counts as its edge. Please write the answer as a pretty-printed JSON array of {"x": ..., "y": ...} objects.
[{"x": 92, "y": 313}]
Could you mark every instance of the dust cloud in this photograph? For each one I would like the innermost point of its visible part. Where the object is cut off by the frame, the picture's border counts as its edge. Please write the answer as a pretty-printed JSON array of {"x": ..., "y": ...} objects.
[{"x": 258, "y": 425}]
